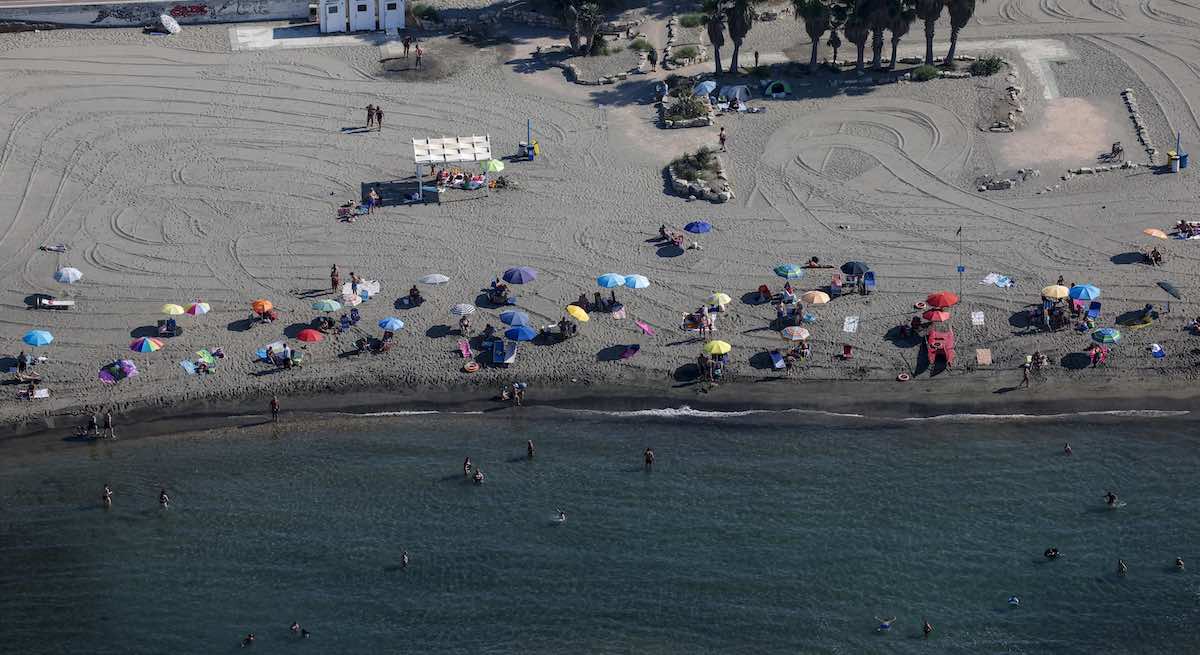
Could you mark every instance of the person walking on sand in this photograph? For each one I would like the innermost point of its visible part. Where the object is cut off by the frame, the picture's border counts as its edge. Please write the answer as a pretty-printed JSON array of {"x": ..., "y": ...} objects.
[
  {"x": 274, "y": 408},
  {"x": 652, "y": 57},
  {"x": 335, "y": 279},
  {"x": 378, "y": 119},
  {"x": 370, "y": 116},
  {"x": 93, "y": 426},
  {"x": 756, "y": 59},
  {"x": 1024, "y": 376},
  {"x": 721, "y": 137},
  {"x": 109, "y": 430},
  {"x": 372, "y": 200},
  {"x": 420, "y": 53},
  {"x": 407, "y": 41}
]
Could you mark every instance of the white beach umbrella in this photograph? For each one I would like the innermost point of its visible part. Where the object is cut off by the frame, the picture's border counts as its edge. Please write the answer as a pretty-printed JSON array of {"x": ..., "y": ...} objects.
[
  {"x": 68, "y": 275},
  {"x": 434, "y": 279},
  {"x": 462, "y": 309}
]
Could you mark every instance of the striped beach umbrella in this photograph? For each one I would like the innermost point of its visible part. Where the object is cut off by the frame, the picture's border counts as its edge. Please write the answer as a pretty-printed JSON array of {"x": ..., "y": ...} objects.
[
  {"x": 145, "y": 345},
  {"x": 198, "y": 309},
  {"x": 68, "y": 275},
  {"x": 789, "y": 272},
  {"x": 795, "y": 333},
  {"x": 514, "y": 317},
  {"x": 462, "y": 309},
  {"x": 1107, "y": 335}
]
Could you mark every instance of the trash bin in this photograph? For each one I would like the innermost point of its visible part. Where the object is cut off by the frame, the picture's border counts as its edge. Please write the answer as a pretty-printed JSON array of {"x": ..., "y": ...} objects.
[
  {"x": 1173, "y": 161},
  {"x": 1183, "y": 160}
]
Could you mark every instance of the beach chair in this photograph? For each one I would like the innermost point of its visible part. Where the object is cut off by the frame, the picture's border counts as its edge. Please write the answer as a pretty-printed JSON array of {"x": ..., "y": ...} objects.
[
  {"x": 43, "y": 302},
  {"x": 297, "y": 358},
  {"x": 777, "y": 360},
  {"x": 835, "y": 286},
  {"x": 510, "y": 352},
  {"x": 847, "y": 351},
  {"x": 1093, "y": 310},
  {"x": 497, "y": 352},
  {"x": 869, "y": 281}
]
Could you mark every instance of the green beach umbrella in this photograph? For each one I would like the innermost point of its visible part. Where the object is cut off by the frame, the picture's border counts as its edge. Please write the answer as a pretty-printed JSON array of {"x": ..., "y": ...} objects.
[{"x": 493, "y": 166}]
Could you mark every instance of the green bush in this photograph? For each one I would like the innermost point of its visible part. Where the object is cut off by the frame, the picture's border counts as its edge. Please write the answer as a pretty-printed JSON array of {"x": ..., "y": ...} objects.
[
  {"x": 925, "y": 73},
  {"x": 702, "y": 165},
  {"x": 691, "y": 20},
  {"x": 687, "y": 108},
  {"x": 985, "y": 66},
  {"x": 683, "y": 53},
  {"x": 641, "y": 45},
  {"x": 426, "y": 12}
]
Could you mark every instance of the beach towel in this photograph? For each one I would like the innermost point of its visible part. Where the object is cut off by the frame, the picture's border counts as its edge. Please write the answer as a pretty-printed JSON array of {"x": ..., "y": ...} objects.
[
  {"x": 983, "y": 356},
  {"x": 1002, "y": 281},
  {"x": 619, "y": 312},
  {"x": 206, "y": 357},
  {"x": 190, "y": 368},
  {"x": 977, "y": 319},
  {"x": 850, "y": 324},
  {"x": 645, "y": 327},
  {"x": 41, "y": 393},
  {"x": 464, "y": 347}
]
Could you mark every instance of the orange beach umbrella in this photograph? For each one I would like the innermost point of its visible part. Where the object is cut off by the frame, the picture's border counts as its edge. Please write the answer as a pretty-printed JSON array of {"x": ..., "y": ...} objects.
[{"x": 261, "y": 306}]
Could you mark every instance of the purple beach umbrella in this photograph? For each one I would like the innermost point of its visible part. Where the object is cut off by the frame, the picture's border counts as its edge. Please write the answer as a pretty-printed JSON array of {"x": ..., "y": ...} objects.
[{"x": 520, "y": 275}]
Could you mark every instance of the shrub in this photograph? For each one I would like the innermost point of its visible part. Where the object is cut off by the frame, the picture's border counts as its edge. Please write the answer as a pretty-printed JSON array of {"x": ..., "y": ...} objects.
[
  {"x": 691, "y": 20},
  {"x": 426, "y": 12},
  {"x": 701, "y": 165},
  {"x": 681, "y": 54},
  {"x": 985, "y": 66},
  {"x": 641, "y": 45},
  {"x": 687, "y": 108},
  {"x": 925, "y": 73}
]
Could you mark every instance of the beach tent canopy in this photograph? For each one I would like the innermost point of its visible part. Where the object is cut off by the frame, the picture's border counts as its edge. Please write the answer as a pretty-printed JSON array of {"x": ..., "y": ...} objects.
[
  {"x": 452, "y": 149},
  {"x": 730, "y": 92},
  {"x": 776, "y": 87},
  {"x": 704, "y": 88}
]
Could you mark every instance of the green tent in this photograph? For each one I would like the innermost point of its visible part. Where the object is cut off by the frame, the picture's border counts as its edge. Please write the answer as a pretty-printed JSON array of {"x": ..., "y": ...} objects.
[{"x": 776, "y": 88}]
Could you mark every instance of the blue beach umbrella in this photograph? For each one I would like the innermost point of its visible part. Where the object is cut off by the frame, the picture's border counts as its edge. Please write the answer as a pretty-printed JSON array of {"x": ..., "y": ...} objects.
[
  {"x": 391, "y": 324},
  {"x": 1084, "y": 292},
  {"x": 697, "y": 227},
  {"x": 520, "y": 275},
  {"x": 704, "y": 88},
  {"x": 37, "y": 338},
  {"x": 611, "y": 280},
  {"x": 789, "y": 272},
  {"x": 637, "y": 281},
  {"x": 514, "y": 318},
  {"x": 520, "y": 333}
]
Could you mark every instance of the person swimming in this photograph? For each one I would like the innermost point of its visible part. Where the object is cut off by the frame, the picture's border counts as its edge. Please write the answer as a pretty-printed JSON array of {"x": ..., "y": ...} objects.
[
  {"x": 884, "y": 624},
  {"x": 1067, "y": 449},
  {"x": 1110, "y": 499},
  {"x": 1051, "y": 553},
  {"x": 478, "y": 476},
  {"x": 106, "y": 497},
  {"x": 1122, "y": 568},
  {"x": 404, "y": 560},
  {"x": 467, "y": 467},
  {"x": 164, "y": 500},
  {"x": 248, "y": 640},
  {"x": 1178, "y": 563},
  {"x": 295, "y": 628},
  {"x": 562, "y": 516},
  {"x": 1014, "y": 601}
]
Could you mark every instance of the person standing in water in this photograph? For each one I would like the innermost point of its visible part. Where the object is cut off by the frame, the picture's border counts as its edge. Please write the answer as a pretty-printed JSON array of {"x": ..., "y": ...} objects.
[
  {"x": 274, "y": 408},
  {"x": 106, "y": 497},
  {"x": 1122, "y": 568},
  {"x": 478, "y": 475},
  {"x": 529, "y": 449},
  {"x": 403, "y": 560},
  {"x": 926, "y": 628},
  {"x": 1067, "y": 449},
  {"x": 648, "y": 459},
  {"x": 562, "y": 516},
  {"x": 467, "y": 467},
  {"x": 109, "y": 430},
  {"x": 1178, "y": 563},
  {"x": 1110, "y": 499},
  {"x": 248, "y": 641},
  {"x": 164, "y": 501}
]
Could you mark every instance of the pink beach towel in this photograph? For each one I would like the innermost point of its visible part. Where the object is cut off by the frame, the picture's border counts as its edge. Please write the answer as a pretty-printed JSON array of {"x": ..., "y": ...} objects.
[
  {"x": 464, "y": 347},
  {"x": 645, "y": 328}
]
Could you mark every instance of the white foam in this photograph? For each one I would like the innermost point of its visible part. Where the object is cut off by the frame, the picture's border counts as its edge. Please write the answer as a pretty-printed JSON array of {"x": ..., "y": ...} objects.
[
  {"x": 687, "y": 412},
  {"x": 1145, "y": 413}
]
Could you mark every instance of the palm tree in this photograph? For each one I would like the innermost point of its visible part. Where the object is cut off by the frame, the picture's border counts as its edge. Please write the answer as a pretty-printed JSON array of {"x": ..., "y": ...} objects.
[
  {"x": 857, "y": 31},
  {"x": 929, "y": 11},
  {"x": 902, "y": 13},
  {"x": 878, "y": 19},
  {"x": 839, "y": 10},
  {"x": 740, "y": 16},
  {"x": 960, "y": 14},
  {"x": 834, "y": 42},
  {"x": 714, "y": 23},
  {"x": 816, "y": 16}
]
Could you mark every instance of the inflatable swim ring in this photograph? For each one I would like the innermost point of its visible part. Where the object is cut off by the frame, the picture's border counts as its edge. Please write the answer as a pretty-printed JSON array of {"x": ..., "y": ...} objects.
[
  {"x": 471, "y": 367},
  {"x": 920, "y": 305},
  {"x": 903, "y": 377}
]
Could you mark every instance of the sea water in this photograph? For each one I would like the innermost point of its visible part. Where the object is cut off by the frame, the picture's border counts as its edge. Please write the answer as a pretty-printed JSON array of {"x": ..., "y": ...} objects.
[{"x": 754, "y": 533}]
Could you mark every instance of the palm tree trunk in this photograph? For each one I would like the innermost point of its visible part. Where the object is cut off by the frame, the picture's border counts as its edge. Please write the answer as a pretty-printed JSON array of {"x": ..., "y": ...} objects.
[
  {"x": 835, "y": 56},
  {"x": 812, "y": 63},
  {"x": 876, "y": 48},
  {"x": 895, "y": 44},
  {"x": 949, "y": 61},
  {"x": 733, "y": 59},
  {"x": 858, "y": 66},
  {"x": 717, "y": 58},
  {"x": 929, "y": 27}
]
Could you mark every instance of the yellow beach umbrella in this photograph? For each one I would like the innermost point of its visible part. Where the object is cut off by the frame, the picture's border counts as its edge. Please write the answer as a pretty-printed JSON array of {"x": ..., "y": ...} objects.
[
  {"x": 717, "y": 347},
  {"x": 814, "y": 298},
  {"x": 719, "y": 298},
  {"x": 172, "y": 310},
  {"x": 1055, "y": 292},
  {"x": 1156, "y": 233},
  {"x": 578, "y": 314}
]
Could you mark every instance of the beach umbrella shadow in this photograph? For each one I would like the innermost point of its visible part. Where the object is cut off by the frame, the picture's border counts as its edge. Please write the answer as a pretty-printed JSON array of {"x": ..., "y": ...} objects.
[
  {"x": 438, "y": 331},
  {"x": 753, "y": 298},
  {"x": 610, "y": 354},
  {"x": 687, "y": 373},
  {"x": 293, "y": 330},
  {"x": 896, "y": 339},
  {"x": 143, "y": 331},
  {"x": 1076, "y": 361},
  {"x": 762, "y": 361},
  {"x": 669, "y": 250},
  {"x": 1020, "y": 318},
  {"x": 240, "y": 325},
  {"x": 1128, "y": 258}
]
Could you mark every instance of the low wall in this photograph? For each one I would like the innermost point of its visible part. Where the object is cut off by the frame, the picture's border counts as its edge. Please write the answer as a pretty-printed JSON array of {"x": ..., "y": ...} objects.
[{"x": 145, "y": 13}]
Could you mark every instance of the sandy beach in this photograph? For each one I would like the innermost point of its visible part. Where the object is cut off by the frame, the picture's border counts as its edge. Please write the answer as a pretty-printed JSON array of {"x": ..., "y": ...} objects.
[{"x": 177, "y": 169}]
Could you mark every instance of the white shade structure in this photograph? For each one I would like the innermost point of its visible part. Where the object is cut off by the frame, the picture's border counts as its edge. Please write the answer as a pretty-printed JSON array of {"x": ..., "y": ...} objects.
[{"x": 449, "y": 150}]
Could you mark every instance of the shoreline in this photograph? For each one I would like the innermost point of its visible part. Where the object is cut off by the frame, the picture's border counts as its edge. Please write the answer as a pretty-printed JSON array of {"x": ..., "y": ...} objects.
[{"x": 976, "y": 395}]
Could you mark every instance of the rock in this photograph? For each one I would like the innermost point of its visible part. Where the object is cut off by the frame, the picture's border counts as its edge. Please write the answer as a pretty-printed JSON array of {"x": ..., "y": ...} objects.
[
  {"x": 982, "y": 188},
  {"x": 999, "y": 185},
  {"x": 724, "y": 196},
  {"x": 1086, "y": 170}
]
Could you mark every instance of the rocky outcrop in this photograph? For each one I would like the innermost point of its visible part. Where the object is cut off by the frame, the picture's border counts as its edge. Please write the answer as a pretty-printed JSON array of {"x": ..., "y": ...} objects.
[
  {"x": 718, "y": 191},
  {"x": 1143, "y": 133}
]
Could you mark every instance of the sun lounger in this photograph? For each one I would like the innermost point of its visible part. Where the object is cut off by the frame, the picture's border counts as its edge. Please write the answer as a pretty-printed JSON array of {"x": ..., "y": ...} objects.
[
  {"x": 510, "y": 352},
  {"x": 497, "y": 351},
  {"x": 847, "y": 351},
  {"x": 37, "y": 394},
  {"x": 777, "y": 360},
  {"x": 51, "y": 303}
]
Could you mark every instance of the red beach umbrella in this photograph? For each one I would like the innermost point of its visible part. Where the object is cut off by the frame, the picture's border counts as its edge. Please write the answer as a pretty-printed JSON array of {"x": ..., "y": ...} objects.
[
  {"x": 310, "y": 335},
  {"x": 936, "y": 315},
  {"x": 942, "y": 299}
]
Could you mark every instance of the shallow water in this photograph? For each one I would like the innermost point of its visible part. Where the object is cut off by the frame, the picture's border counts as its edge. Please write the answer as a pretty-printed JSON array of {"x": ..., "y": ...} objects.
[{"x": 764, "y": 533}]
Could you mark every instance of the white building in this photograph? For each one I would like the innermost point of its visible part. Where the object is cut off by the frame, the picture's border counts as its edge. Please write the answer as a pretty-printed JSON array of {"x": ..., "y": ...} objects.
[
  {"x": 332, "y": 15},
  {"x": 360, "y": 15}
]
